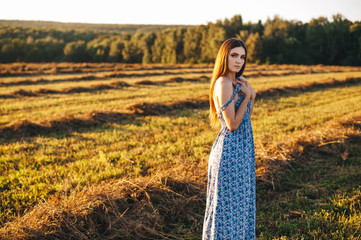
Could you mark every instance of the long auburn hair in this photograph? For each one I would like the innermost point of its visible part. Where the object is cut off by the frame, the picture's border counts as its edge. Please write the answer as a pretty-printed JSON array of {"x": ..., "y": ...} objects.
[{"x": 221, "y": 69}]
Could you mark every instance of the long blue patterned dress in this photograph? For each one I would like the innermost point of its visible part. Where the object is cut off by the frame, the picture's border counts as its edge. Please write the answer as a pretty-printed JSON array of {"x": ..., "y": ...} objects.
[{"x": 231, "y": 189}]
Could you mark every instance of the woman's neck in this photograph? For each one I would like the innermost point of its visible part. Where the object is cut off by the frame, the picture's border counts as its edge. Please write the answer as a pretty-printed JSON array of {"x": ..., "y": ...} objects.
[{"x": 231, "y": 76}]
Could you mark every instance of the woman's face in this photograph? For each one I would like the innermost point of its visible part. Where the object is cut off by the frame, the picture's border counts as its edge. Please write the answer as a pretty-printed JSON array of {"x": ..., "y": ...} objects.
[{"x": 236, "y": 59}]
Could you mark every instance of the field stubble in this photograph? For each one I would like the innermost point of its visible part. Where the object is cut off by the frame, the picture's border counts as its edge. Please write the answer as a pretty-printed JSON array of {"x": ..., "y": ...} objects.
[{"x": 94, "y": 146}]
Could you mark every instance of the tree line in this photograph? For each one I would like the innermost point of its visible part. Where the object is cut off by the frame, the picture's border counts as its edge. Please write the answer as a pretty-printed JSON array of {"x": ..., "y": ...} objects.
[
  {"x": 277, "y": 41},
  {"x": 100, "y": 27}
]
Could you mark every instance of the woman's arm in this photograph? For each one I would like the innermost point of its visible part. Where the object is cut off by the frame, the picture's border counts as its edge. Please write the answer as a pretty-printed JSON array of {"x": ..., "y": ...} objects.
[{"x": 224, "y": 92}]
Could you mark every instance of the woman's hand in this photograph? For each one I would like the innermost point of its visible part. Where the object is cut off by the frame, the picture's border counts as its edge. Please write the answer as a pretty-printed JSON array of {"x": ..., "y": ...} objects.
[
  {"x": 245, "y": 91},
  {"x": 243, "y": 82}
]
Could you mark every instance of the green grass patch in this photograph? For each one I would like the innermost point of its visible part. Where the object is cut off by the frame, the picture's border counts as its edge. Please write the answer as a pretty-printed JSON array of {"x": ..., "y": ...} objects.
[{"x": 320, "y": 198}]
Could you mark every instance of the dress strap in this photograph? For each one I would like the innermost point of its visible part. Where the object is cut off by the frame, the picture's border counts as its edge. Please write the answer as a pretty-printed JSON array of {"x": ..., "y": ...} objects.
[{"x": 220, "y": 110}]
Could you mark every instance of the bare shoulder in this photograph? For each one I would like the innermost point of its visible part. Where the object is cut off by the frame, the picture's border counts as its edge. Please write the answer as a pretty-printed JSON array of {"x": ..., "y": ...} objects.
[
  {"x": 223, "y": 81},
  {"x": 223, "y": 90},
  {"x": 224, "y": 85}
]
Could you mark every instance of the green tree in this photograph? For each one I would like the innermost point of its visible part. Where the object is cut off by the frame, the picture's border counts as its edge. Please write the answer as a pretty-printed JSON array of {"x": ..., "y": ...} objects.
[
  {"x": 8, "y": 53},
  {"x": 13, "y": 50},
  {"x": 354, "y": 51},
  {"x": 293, "y": 52},
  {"x": 192, "y": 44},
  {"x": 99, "y": 48},
  {"x": 275, "y": 33},
  {"x": 168, "y": 47},
  {"x": 211, "y": 41},
  {"x": 115, "y": 51},
  {"x": 254, "y": 48},
  {"x": 338, "y": 38},
  {"x": 243, "y": 35},
  {"x": 76, "y": 51},
  {"x": 316, "y": 41},
  {"x": 233, "y": 26},
  {"x": 131, "y": 52},
  {"x": 146, "y": 43}
]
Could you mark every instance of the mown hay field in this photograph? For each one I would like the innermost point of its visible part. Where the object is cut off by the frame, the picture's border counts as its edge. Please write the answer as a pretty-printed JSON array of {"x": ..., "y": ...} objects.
[{"x": 120, "y": 151}]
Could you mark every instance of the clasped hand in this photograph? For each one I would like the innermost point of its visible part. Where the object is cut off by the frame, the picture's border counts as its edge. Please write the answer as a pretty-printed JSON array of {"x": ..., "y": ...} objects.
[{"x": 246, "y": 87}]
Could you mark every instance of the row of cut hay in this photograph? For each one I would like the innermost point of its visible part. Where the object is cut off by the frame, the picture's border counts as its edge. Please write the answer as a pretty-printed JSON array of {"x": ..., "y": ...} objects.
[
  {"x": 120, "y": 84},
  {"x": 167, "y": 208},
  {"x": 25, "y": 128},
  {"x": 93, "y": 77},
  {"x": 97, "y": 87},
  {"x": 123, "y": 209},
  {"x": 253, "y": 72},
  {"x": 310, "y": 188},
  {"x": 43, "y": 91},
  {"x": 19, "y": 69},
  {"x": 329, "y": 83},
  {"x": 280, "y": 158},
  {"x": 316, "y": 68}
]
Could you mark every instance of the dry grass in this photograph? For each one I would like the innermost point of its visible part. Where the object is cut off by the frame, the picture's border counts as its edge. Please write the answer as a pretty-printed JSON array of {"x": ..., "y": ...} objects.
[
  {"x": 97, "y": 87},
  {"x": 312, "y": 189},
  {"x": 91, "y": 159},
  {"x": 25, "y": 128},
  {"x": 124, "y": 209},
  {"x": 276, "y": 160},
  {"x": 20, "y": 69},
  {"x": 166, "y": 208}
]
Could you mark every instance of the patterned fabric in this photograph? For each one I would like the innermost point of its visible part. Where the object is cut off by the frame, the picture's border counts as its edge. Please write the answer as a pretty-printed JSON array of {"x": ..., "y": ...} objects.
[{"x": 231, "y": 189}]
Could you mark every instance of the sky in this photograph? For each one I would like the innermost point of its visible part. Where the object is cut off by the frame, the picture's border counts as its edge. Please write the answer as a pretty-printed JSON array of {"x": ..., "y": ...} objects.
[{"x": 181, "y": 12}]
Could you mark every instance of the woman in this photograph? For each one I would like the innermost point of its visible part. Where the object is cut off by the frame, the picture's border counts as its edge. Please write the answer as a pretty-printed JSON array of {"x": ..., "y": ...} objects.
[{"x": 231, "y": 207}]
